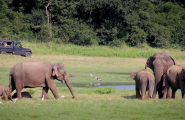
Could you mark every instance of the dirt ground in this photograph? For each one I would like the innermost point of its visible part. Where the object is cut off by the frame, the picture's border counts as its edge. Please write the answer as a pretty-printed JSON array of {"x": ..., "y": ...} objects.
[{"x": 65, "y": 57}]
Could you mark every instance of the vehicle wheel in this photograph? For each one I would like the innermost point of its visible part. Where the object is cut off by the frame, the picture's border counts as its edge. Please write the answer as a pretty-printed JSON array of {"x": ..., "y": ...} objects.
[
  {"x": 28, "y": 54},
  {"x": 3, "y": 52}
]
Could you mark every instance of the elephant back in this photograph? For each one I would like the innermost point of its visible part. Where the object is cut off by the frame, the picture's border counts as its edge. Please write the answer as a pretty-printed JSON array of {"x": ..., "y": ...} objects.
[{"x": 165, "y": 57}]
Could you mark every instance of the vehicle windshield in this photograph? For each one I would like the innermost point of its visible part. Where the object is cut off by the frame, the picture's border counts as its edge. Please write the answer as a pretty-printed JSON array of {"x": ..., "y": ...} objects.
[{"x": 18, "y": 45}]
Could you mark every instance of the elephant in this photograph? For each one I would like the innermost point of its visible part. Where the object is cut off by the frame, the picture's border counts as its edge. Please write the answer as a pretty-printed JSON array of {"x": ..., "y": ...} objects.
[
  {"x": 33, "y": 74},
  {"x": 144, "y": 81},
  {"x": 175, "y": 78},
  {"x": 159, "y": 63},
  {"x": 5, "y": 92}
]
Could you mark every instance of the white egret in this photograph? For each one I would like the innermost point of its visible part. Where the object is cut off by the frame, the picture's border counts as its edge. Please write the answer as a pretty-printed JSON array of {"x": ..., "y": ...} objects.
[
  {"x": 91, "y": 75},
  {"x": 43, "y": 98},
  {"x": 15, "y": 99}
]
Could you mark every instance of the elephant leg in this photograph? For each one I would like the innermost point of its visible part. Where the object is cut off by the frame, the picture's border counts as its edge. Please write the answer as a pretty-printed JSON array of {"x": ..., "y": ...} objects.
[
  {"x": 0, "y": 97},
  {"x": 165, "y": 92},
  {"x": 145, "y": 95},
  {"x": 169, "y": 93},
  {"x": 5, "y": 97},
  {"x": 183, "y": 91},
  {"x": 160, "y": 89},
  {"x": 53, "y": 88},
  {"x": 19, "y": 89},
  {"x": 182, "y": 87},
  {"x": 143, "y": 92},
  {"x": 163, "y": 87},
  {"x": 183, "y": 94},
  {"x": 19, "y": 96},
  {"x": 150, "y": 91},
  {"x": 158, "y": 75},
  {"x": 173, "y": 92},
  {"x": 138, "y": 95},
  {"x": 45, "y": 91}
]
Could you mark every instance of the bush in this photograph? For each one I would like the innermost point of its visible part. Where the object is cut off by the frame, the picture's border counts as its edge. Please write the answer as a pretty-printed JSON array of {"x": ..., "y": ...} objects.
[
  {"x": 31, "y": 91},
  {"x": 105, "y": 90}
]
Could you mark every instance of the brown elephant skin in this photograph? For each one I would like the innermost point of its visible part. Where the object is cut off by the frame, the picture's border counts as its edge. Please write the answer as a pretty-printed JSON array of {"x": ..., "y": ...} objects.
[
  {"x": 33, "y": 74},
  {"x": 159, "y": 63},
  {"x": 175, "y": 78},
  {"x": 144, "y": 81},
  {"x": 5, "y": 92}
]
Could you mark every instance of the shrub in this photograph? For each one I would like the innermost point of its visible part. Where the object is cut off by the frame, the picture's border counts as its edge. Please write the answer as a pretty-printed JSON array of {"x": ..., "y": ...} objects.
[
  {"x": 105, "y": 90},
  {"x": 31, "y": 91}
]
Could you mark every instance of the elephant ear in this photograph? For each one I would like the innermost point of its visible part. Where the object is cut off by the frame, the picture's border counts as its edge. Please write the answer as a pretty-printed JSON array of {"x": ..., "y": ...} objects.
[
  {"x": 55, "y": 71},
  {"x": 132, "y": 75},
  {"x": 149, "y": 62}
]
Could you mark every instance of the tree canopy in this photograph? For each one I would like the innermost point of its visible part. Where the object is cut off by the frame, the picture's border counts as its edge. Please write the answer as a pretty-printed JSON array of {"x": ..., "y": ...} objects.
[{"x": 95, "y": 22}]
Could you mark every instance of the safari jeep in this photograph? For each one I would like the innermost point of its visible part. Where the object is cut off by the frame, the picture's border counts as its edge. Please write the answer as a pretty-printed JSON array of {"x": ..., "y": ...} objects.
[{"x": 15, "y": 48}]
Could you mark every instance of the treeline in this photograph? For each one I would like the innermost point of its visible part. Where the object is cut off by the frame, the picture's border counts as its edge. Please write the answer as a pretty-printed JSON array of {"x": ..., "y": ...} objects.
[{"x": 159, "y": 23}]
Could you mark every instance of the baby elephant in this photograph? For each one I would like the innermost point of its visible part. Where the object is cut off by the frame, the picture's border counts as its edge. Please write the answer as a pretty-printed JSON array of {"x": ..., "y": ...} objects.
[
  {"x": 144, "y": 81},
  {"x": 5, "y": 92},
  {"x": 175, "y": 78}
]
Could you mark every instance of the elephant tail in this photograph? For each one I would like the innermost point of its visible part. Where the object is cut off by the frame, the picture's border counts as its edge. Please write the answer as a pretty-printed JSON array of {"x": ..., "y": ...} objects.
[
  {"x": 173, "y": 61},
  {"x": 10, "y": 82}
]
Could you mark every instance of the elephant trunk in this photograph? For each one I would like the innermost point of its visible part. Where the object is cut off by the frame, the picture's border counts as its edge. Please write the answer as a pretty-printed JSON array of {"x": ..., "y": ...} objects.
[
  {"x": 69, "y": 85},
  {"x": 10, "y": 97}
]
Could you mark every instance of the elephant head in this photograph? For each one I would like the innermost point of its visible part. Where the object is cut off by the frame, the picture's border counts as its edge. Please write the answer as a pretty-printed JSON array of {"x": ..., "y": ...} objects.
[
  {"x": 60, "y": 73},
  {"x": 7, "y": 91},
  {"x": 132, "y": 75},
  {"x": 149, "y": 62}
]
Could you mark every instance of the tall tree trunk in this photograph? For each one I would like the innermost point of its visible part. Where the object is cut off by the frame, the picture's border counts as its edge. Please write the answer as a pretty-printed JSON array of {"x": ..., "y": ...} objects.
[{"x": 49, "y": 19}]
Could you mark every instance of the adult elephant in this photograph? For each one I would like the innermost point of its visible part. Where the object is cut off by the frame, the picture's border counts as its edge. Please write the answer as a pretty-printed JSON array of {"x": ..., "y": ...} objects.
[
  {"x": 5, "y": 92},
  {"x": 159, "y": 63},
  {"x": 38, "y": 74},
  {"x": 144, "y": 81},
  {"x": 175, "y": 78}
]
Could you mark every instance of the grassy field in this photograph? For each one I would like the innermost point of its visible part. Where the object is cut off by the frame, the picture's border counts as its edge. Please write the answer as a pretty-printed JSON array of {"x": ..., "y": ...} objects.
[
  {"x": 90, "y": 104},
  {"x": 144, "y": 51}
]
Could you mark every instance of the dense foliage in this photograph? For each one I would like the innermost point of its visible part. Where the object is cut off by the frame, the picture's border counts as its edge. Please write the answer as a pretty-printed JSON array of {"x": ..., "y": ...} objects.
[{"x": 95, "y": 22}]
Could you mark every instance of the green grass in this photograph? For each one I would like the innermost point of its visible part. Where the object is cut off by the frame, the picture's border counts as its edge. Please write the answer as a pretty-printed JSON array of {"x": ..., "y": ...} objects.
[
  {"x": 144, "y": 51},
  {"x": 90, "y": 104}
]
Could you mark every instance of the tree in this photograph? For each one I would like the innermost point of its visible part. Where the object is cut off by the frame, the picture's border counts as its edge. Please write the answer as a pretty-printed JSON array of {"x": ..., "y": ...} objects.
[{"x": 48, "y": 19}]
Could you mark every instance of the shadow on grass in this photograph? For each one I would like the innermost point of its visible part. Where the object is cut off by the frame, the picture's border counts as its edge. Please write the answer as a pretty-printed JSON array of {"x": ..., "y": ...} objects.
[{"x": 129, "y": 97}]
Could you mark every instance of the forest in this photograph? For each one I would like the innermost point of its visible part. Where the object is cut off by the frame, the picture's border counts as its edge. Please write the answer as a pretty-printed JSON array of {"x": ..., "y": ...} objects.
[{"x": 158, "y": 23}]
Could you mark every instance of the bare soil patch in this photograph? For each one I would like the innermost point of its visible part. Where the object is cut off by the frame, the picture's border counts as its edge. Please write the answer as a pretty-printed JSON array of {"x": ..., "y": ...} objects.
[
  {"x": 83, "y": 58},
  {"x": 65, "y": 57}
]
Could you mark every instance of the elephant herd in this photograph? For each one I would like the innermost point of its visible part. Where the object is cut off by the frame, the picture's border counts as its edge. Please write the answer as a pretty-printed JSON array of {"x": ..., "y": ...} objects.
[{"x": 167, "y": 75}]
